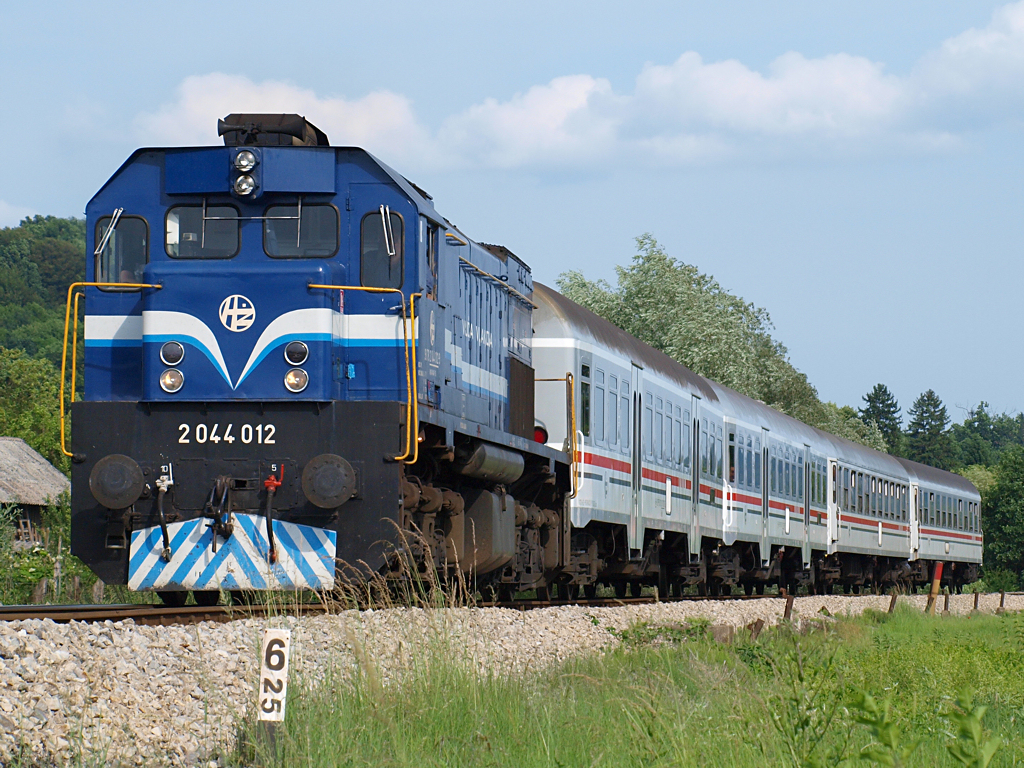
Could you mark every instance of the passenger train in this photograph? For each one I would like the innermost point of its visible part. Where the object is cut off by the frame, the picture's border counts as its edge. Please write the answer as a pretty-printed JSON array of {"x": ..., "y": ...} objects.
[{"x": 298, "y": 374}]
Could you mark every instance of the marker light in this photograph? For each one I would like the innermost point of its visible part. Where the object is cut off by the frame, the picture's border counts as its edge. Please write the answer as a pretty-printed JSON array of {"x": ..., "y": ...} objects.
[
  {"x": 171, "y": 353},
  {"x": 296, "y": 380},
  {"x": 244, "y": 185},
  {"x": 245, "y": 161},
  {"x": 296, "y": 353},
  {"x": 540, "y": 435},
  {"x": 171, "y": 380}
]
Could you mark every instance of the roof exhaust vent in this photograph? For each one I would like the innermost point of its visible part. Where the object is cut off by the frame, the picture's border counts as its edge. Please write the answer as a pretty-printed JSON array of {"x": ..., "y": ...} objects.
[{"x": 270, "y": 131}]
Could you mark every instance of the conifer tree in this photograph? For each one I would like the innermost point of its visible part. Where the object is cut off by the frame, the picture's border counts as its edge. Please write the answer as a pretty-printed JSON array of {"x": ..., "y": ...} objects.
[
  {"x": 928, "y": 440},
  {"x": 881, "y": 408}
]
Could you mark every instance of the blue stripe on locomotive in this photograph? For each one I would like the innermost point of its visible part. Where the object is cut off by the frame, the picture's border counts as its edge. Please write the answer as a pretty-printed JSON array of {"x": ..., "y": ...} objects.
[{"x": 354, "y": 354}]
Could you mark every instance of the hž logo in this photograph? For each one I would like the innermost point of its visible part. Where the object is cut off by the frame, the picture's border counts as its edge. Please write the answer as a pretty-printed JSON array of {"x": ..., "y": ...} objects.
[{"x": 237, "y": 313}]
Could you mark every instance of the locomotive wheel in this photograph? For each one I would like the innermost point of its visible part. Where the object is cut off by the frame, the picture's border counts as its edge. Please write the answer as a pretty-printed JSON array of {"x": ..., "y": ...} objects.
[
  {"x": 748, "y": 588},
  {"x": 570, "y": 592},
  {"x": 173, "y": 599},
  {"x": 620, "y": 589},
  {"x": 590, "y": 591},
  {"x": 759, "y": 587},
  {"x": 544, "y": 593},
  {"x": 206, "y": 597},
  {"x": 635, "y": 588}
]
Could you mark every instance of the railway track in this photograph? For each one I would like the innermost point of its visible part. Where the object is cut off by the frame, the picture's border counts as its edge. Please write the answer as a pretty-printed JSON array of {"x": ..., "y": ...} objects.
[{"x": 192, "y": 614}]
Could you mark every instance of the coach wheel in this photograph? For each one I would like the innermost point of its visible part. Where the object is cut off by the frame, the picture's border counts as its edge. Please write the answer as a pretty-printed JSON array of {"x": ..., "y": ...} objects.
[
  {"x": 173, "y": 599},
  {"x": 207, "y": 597}
]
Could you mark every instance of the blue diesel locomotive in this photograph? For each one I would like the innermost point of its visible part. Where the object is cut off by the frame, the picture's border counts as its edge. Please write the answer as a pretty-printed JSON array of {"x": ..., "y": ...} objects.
[
  {"x": 296, "y": 370},
  {"x": 298, "y": 373}
]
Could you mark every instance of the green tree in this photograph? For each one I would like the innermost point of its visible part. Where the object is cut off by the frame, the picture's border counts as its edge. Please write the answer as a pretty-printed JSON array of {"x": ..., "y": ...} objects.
[
  {"x": 29, "y": 408},
  {"x": 1003, "y": 514},
  {"x": 689, "y": 316},
  {"x": 882, "y": 410},
  {"x": 983, "y": 436},
  {"x": 928, "y": 440}
]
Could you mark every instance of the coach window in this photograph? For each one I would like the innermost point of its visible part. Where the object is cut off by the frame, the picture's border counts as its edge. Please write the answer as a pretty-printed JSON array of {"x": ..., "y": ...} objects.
[
  {"x": 315, "y": 235},
  {"x": 741, "y": 464},
  {"x": 786, "y": 486},
  {"x": 381, "y": 252},
  {"x": 659, "y": 429},
  {"x": 718, "y": 454},
  {"x": 687, "y": 443},
  {"x": 677, "y": 457},
  {"x": 732, "y": 457},
  {"x": 599, "y": 405},
  {"x": 194, "y": 233},
  {"x": 771, "y": 474},
  {"x": 757, "y": 465},
  {"x": 703, "y": 446},
  {"x": 585, "y": 399},
  {"x": 800, "y": 479},
  {"x": 624, "y": 417},
  {"x": 126, "y": 251},
  {"x": 613, "y": 409}
]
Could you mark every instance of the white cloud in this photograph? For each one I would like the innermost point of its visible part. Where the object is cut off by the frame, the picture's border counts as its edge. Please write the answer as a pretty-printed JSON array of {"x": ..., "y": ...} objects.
[
  {"x": 380, "y": 121},
  {"x": 11, "y": 215},
  {"x": 684, "y": 112}
]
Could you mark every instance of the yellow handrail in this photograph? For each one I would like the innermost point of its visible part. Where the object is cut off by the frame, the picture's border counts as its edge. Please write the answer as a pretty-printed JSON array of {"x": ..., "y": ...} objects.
[
  {"x": 411, "y": 438},
  {"x": 415, "y": 381},
  {"x": 570, "y": 397},
  {"x": 64, "y": 350},
  {"x": 74, "y": 347}
]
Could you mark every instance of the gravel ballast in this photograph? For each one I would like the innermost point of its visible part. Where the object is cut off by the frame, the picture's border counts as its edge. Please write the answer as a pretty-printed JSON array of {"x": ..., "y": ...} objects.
[{"x": 121, "y": 693}]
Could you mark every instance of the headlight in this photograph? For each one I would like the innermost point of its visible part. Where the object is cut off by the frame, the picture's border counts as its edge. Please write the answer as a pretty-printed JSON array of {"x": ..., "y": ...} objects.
[
  {"x": 172, "y": 353},
  {"x": 296, "y": 380},
  {"x": 171, "y": 380},
  {"x": 245, "y": 161},
  {"x": 296, "y": 353},
  {"x": 244, "y": 185}
]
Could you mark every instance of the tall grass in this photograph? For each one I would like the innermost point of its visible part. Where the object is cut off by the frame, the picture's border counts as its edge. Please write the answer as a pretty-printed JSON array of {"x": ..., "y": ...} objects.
[{"x": 678, "y": 700}]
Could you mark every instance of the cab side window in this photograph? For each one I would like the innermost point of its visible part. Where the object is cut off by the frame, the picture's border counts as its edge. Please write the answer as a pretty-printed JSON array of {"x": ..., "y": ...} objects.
[
  {"x": 381, "y": 250},
  {"x": 125, "y": 251}
]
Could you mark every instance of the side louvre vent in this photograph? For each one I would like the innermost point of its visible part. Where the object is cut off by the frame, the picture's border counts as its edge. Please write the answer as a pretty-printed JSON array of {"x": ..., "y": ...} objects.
[{"x": 520, "y": 399}]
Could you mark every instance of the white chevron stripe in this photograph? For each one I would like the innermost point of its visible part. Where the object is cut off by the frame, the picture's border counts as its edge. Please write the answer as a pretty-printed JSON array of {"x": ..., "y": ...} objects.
[
  {"x": 298, "y": 321},
  {"x": 321, "y": 564},
  {"x": 163, "y": 323},
  {"x": 113, "y": 328}
]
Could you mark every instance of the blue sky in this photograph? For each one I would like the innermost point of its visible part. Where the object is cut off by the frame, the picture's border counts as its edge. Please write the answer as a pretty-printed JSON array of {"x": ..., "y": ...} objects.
[{"x": 854, "y": 168}]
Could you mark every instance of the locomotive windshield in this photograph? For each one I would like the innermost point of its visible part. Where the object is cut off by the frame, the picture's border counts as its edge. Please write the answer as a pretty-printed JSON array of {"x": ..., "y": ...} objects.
[
  {"x": 124, "y": 256},
  {"x": 188, "y": 238},
  {"x": 379, "y": 268},
  {"x": 283, "y": 237}
]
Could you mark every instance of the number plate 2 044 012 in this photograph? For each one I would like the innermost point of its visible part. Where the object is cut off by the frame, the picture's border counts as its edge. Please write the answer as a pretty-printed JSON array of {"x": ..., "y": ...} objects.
[{"x": 273, "y": 685}]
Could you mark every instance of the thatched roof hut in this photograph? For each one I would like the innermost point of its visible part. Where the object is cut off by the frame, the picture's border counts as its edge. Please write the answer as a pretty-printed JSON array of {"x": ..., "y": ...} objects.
[{"x": 26, "y": 478}]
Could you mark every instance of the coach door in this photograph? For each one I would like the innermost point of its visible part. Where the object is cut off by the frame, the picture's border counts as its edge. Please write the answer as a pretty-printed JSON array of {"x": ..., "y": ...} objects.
[
  {"x": 766, "y": 549},
  {"x": 834, "y": 480},
  {"x": 695, "y": 478},
  {"x": 807, "y": 507},
  {"x": 636, "y": 508},
  {"x": 915, "y": 522}
]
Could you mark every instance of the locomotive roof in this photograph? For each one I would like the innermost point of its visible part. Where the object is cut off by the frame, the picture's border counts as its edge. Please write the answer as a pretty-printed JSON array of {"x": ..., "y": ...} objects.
[{"x": 579, "y": 322}]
